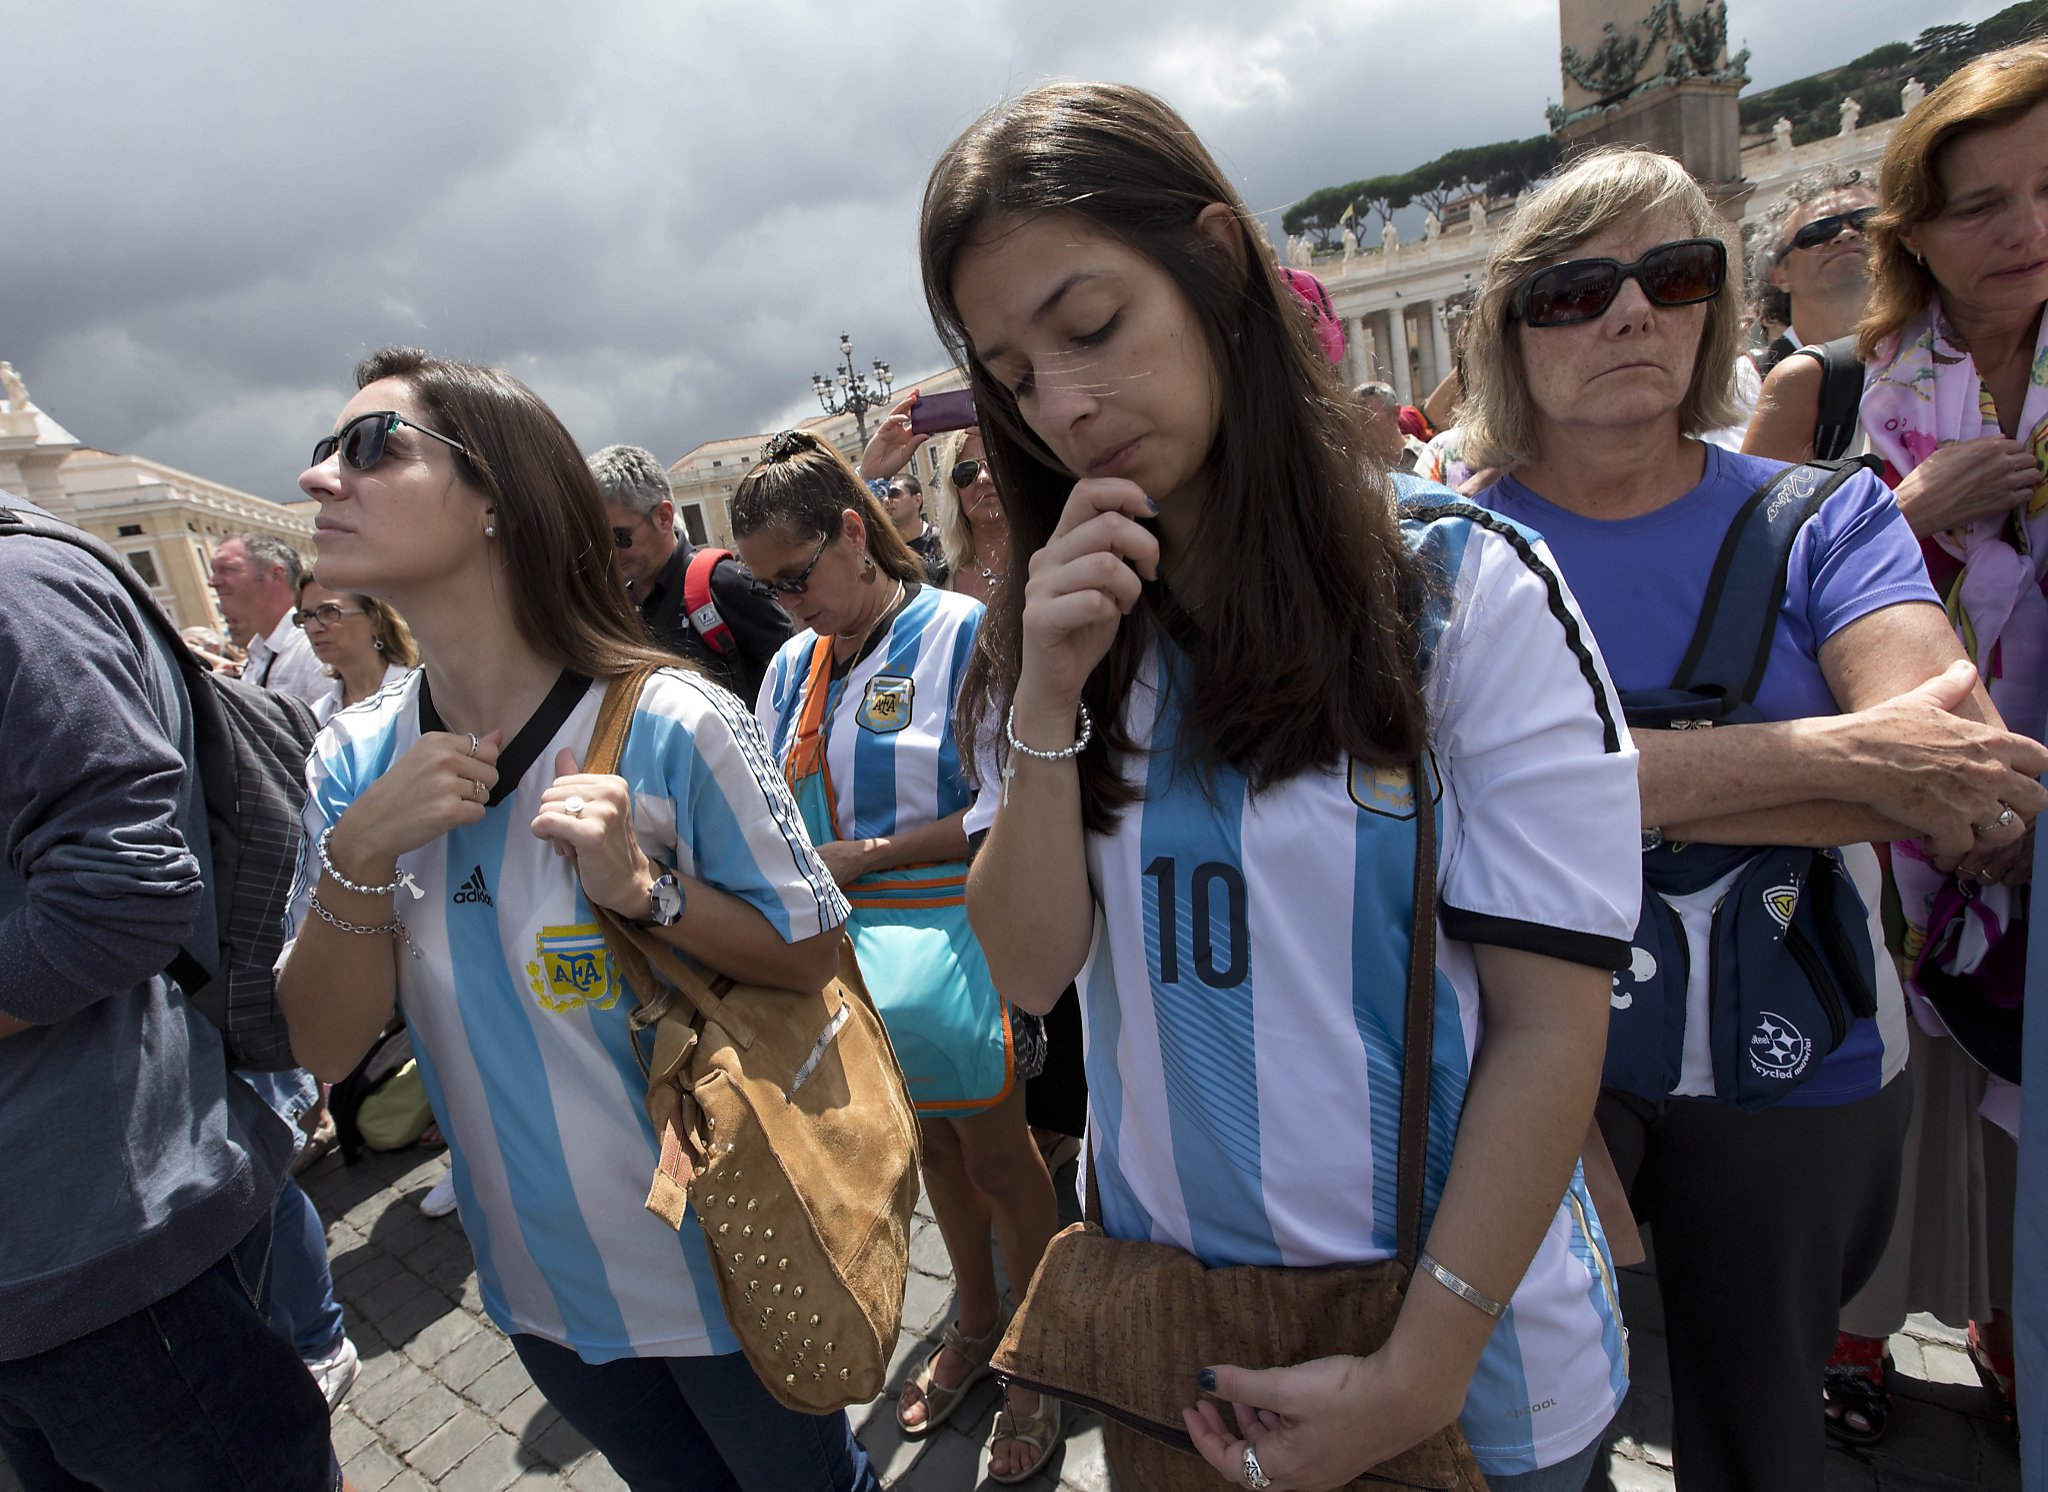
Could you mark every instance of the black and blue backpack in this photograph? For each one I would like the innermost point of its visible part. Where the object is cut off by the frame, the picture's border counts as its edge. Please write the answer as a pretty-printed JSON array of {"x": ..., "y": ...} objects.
[{"x": 1790, "y": 963}]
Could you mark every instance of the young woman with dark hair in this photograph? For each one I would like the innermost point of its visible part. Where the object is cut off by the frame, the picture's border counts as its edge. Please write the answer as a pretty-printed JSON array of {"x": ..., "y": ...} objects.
[
  {"x": 858, "y": 707},
  {"x": 1227, "y": 654},
  {"x": 454, "y": 854}
]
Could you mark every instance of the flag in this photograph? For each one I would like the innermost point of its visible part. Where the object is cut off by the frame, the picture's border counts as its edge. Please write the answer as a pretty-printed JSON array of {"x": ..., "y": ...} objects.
[{"x": 1349, "y": 209}]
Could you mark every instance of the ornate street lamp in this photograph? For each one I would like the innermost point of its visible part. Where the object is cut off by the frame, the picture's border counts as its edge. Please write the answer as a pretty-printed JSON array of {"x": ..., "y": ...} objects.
[{"x": 847, "y": 392}]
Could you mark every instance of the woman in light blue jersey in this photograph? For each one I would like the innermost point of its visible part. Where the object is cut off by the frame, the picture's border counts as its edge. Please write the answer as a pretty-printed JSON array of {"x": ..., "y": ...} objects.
[
  {"x": 1210, "y": 687},
  {"x": 455, "y": 854},
  {"x": 858, "y": 708}
]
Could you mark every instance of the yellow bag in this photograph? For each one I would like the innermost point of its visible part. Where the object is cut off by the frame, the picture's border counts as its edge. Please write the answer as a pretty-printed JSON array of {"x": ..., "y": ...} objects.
[{"x": 784, "y": 1117}]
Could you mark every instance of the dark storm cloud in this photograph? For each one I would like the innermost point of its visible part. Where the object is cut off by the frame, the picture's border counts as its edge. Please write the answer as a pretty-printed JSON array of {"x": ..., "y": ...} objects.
[{"x": 659, "y": 215}]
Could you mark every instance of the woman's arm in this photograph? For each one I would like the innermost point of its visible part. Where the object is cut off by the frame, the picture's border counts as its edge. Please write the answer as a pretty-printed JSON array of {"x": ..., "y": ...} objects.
[
  {"x": 1788, "y": 412},
  {"x": 1027, "y": 892},
  {"x": 728, "y": 934},
  {"x": 1920, "y": 744},
  {"x": 1526, "y": 1111},
  {"x": 850, "y": 859}
]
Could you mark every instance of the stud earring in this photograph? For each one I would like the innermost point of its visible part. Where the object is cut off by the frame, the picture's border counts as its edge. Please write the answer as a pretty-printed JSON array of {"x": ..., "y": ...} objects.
[
  {"x": 378, "y": 644},
  {"x": 490, "y": 531}
]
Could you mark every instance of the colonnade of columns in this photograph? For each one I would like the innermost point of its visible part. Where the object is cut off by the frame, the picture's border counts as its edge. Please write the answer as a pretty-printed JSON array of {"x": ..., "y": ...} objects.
[{"x": 1406, "y": 344}]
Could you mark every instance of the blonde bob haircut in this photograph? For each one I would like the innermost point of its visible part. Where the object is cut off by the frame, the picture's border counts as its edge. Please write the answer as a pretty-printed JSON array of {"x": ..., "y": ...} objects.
[
  {"x": 944, "y": 509},
  {"x": 1986, "y": 92},
  {"x": 1603, "y": 188}
]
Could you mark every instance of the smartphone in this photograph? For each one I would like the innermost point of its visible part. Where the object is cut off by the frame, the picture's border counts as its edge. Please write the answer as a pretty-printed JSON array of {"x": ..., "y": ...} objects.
[{"x": 933, "y": 413}]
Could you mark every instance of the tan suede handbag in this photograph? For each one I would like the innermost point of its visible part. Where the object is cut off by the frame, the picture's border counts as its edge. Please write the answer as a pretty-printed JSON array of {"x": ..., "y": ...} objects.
[
  {"x": 784, "y": 1118},
  {"x": 1121, "y": 1326}
]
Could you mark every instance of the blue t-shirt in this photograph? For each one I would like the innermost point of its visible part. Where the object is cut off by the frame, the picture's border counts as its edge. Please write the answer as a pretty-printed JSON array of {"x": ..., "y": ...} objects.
[{"x": 1642, "y": 583}]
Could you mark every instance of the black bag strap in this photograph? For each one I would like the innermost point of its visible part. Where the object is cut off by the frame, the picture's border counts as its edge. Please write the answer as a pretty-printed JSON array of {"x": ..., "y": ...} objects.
[
  {"x": 1418, "y": 1039},
  {"x": 1841, "y": 395},
  {"x": 1731, "y": 646}
]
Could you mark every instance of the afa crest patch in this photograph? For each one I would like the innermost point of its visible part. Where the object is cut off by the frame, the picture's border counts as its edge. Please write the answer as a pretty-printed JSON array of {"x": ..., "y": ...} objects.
[
  {"x": 1389, "y": 791},
  {"x": 886, "y": 707},
  {"x": 572, "y": 969}
]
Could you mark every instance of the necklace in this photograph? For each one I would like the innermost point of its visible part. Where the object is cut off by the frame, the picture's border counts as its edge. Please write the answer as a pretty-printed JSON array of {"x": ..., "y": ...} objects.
[{"x": 860, "y": 639}]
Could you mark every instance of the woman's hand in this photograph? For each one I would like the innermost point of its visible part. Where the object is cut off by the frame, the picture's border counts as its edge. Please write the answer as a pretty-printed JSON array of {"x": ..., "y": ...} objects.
[
  {"x": 846, "y": 859},
  {"x": 438, "y": 784},
  {"x": 1949, "y": 777},
  {"x": 1320, "y": 1424},
  {"x": 1083, "y": 583},
  {"x": 1966, "y": 481},
  {"x": 615, "y": 872},
  {"x": 893, "y": 444}
]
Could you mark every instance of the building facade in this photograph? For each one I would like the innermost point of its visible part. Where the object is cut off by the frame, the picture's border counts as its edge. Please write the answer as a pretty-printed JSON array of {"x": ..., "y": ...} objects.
[{"x": 166, "y": 523}]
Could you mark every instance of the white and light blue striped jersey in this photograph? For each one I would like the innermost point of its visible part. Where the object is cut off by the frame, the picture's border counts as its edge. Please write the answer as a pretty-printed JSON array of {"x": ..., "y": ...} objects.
[
  {"x": 1244, "y": 993},
  {"x": 520, "y": 1029},
  {"x": 890, "y": 750}
]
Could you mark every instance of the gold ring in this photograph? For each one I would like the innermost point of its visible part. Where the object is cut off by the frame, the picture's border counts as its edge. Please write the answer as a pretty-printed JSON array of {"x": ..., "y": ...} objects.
[{"x": 482, "y": 793}]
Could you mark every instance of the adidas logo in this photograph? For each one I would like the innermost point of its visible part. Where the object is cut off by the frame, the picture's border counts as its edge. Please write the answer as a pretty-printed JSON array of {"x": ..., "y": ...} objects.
[{"x": 474, "y": 890}]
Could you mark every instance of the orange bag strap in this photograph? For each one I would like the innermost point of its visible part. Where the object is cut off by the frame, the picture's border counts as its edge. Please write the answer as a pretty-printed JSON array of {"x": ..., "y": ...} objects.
[
  {"x": 807, "y": 753},
  {"x": 636, "y": 950}
]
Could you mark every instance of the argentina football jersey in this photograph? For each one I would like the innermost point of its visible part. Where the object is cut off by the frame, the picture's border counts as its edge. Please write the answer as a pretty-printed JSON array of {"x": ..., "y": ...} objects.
[
  {"x": 1245, "y": 989},
  {"x": 519, "y": 1023}
]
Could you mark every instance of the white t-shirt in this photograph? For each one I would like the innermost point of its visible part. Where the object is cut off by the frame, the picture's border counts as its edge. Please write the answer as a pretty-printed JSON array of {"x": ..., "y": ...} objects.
[
  {"x": 520, "y": 1030},
  {"x": 326, "y": 705},
  {"x": 1244, "y": 994},
  {"x": 283, "y": 660}
]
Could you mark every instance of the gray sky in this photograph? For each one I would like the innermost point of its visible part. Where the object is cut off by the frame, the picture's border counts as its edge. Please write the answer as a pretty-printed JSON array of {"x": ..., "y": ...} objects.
[{"x": 660, "y": 214}]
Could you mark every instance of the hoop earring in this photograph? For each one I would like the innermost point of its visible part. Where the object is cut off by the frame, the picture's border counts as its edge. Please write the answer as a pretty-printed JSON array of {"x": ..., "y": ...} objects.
[
  {"x": 378, "y": 644},
  {"x": 867, "y": 569}
]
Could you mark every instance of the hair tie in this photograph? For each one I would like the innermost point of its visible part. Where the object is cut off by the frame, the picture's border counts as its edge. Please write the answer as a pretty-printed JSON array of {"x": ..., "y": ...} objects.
[{"x": 782, "y": 446}]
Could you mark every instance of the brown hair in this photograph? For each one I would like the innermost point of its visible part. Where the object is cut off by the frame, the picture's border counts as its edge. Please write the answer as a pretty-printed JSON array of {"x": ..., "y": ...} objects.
[
  {"x": 1603, "y": 188},
  {"x": 1983, "y": 93},
  {"x": 387, "y": 628},
  {"x": 1308, "y": 640},
  {"x": 803, "y": 485},
  {"x": 569, "y": 604}
]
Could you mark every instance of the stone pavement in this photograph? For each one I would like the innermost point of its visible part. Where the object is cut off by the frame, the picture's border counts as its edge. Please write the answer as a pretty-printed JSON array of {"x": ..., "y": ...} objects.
[{"x": 442, "y": 1402}]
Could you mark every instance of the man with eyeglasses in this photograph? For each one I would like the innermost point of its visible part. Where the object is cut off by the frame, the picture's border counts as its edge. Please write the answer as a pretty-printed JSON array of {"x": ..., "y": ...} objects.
[
  {"x": 255, "y": 581},
  {"x": 732, "y": 631}
]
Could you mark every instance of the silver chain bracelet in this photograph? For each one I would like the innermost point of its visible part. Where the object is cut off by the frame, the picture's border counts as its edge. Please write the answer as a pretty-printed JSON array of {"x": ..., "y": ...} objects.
[
  {"x": 394, "y": 926},
  {"x": 1018, "y": 748},
  {"x": 402, "y": 877}
]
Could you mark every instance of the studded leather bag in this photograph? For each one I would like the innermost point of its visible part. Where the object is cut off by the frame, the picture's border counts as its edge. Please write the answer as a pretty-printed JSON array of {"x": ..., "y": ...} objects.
[
  {"x": 1120, "y": 1325},
  {"x": 785, "y": 1126}
]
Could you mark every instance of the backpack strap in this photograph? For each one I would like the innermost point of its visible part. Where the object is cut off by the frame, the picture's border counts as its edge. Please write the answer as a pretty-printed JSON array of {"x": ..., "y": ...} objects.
[
  {"x": 697, "y": 600},
  {"x": 1731, "y": 646},
  {"x": 1841, "y": 394}
]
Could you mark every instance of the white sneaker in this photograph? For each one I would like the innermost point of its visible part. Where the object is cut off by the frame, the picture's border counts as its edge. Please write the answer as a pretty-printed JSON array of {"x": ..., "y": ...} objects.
[
  {"x": 336, "y": 1373},
  {"x": 441, "y": 1200}
]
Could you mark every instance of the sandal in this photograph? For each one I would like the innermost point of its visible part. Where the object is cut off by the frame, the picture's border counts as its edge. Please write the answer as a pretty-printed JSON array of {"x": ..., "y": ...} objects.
[
  {"x": 1039, "y": 1430},
  {"x": 1858, "y": 1410},
  {"x": 938, "y": 1400}
]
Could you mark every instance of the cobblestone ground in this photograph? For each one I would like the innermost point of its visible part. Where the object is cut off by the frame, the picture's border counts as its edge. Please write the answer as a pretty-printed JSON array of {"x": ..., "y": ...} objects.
[{"x": 442, "y": 1402}]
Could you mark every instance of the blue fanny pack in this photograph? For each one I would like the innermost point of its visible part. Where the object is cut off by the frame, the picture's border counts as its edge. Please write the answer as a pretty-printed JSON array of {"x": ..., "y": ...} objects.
[{"x": 1789, "y": 960}]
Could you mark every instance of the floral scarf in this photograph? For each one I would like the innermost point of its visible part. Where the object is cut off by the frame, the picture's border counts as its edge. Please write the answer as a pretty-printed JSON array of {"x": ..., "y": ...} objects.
[{"x": 1923, "y": 392}]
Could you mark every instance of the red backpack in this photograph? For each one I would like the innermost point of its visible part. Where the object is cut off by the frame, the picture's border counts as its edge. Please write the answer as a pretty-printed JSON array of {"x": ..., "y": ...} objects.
[{"x": 697, "y": 600}]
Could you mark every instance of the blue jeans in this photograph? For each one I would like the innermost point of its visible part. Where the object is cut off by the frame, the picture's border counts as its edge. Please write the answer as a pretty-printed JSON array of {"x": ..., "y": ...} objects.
[
  {"x": 696, "y": 1424},
  {"x": 1565, "y": 1476},
  {"x": 302, "y": 1307},
  {"x": 193, "y": 1394}
]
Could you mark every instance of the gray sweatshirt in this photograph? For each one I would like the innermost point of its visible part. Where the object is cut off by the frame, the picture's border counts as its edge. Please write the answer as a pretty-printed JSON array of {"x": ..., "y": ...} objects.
[{"x": 130, "y": 1158}]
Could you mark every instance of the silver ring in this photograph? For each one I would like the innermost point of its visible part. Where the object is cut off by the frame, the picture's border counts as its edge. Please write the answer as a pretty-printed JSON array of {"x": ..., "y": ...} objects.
[
  {"x": 2006, "y": 819},
  {"x": 1253, "y": 1476},
  {"x": 473, "y": 743},
  {"x": 573, "y": 806},
  {"x": 1986, "y": 876}
]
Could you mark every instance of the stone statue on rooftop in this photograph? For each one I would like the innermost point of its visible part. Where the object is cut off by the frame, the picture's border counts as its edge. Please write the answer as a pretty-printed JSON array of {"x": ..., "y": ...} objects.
[
  {"x": 1432, "y": 225},
  {"x": 1851, "y": 112},
  {"x": 1911, "y": 94},
  {"x": 1350, "y": 244},
  {"x": 17, "y": 391},
  {"x": 1781, "y": 137},
  {"x": 1390, "y": 236}
]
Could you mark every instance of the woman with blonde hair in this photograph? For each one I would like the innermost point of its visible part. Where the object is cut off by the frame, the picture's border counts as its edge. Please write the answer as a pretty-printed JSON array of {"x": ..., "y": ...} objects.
[
  {"x": 968, "y": 512},
  {"x": 363, "y": 643},
  {"x": 1749, "y": 1096}
]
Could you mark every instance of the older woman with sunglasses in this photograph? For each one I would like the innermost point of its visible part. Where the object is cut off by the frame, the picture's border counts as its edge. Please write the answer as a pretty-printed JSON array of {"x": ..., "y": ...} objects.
[
  {"x": 969, "y": 513},
  {"x": 364, "y": 644},
  {"x": 1766, "y": 1159}
]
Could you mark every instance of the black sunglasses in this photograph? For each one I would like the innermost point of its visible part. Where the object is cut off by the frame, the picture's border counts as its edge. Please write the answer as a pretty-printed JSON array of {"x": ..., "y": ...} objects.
[
  {"x": 1823, "y": 231},
  {"x": 1672, "y": 274},
  {"x": 796, "y": 586},
  {"x": 361, "y": 440},
  {"x": 966, "y": 473}
]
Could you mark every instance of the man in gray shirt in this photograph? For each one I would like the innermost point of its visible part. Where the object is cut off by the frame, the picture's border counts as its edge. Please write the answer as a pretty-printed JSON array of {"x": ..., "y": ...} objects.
[{"x": 138, "y": 1172}]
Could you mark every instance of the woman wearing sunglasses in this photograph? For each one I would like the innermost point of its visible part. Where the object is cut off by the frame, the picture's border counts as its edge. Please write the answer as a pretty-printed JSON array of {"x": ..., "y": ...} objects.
[
  {"x": 969, "y": 514},
  {"x": 1211, "y": 813},
  {"x": 1597, "y": 355},
  {"x": 859, "y": 710},
  {"x": 365, "y": 645},
  {"x": 454, "y": 854}
]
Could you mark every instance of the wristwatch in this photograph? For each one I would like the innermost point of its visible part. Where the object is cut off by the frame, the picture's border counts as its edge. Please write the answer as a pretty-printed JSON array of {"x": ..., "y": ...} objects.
[{"x": 664, "y": 901}]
